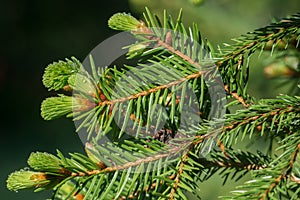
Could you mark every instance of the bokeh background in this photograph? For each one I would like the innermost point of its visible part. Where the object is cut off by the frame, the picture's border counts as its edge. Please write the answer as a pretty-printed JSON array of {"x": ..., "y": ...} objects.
[{"x": 34, "y": 33}]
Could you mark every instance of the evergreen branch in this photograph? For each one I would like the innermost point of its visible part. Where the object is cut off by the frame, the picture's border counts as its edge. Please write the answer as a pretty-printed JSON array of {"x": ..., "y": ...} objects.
[
  {"x": 121, "y": 168},
  {"x": 167, "y": 45},
  {"x": 128, "y": 164},
  {"x": 260, "y": 37},
  {"x": 230, "y": 162},
  {"x": 235, "y": 164},
  {"x": 152, "y": 90},
  {"x": 238, "y": 165},
  {"x": 260, "y": 116},
  {"x": 273, "y": 176},
  {"x": 266, "y": 114},
  {"x": 105, "y": 101}
]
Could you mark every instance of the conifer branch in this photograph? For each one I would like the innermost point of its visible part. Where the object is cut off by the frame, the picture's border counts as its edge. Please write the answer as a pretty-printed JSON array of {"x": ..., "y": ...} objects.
[
  {"x": 128, "y": 164},
  {"x": 232, "y": 164},
  {"x": 260, "y": 37},
  {"x": 130, "y": 167},
  {"x": 152, "y": 90}
]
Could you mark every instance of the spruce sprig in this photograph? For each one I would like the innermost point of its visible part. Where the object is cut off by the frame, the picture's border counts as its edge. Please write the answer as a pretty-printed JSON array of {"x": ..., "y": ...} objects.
[{"x": 168, "y": 162}]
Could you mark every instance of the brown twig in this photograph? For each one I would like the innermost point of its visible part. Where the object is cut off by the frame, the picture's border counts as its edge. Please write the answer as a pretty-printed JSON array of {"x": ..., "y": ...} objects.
[
  {"x": 236, "y": 96},
  {"x": 178, "y": 176},
  {"x": 128, "y": 164},
  {"x": 152, "y": 90},
  {"x": 222, "y": 147},
  {"x": 237, "y": 165}
]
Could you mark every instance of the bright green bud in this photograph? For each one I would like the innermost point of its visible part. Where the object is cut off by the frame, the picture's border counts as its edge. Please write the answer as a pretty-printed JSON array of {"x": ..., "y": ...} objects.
[
  {"x": 44, "y": 162},
  {"x": 56, "y": 75},
  {"x": 123, "y": 22},
  {"x": 54, "y": 107},
  {"x": 26, "y": 180}
]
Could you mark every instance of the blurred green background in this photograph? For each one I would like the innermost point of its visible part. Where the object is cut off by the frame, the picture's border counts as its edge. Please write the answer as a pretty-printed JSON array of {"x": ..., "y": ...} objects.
[{"x": 35, "y": 33}]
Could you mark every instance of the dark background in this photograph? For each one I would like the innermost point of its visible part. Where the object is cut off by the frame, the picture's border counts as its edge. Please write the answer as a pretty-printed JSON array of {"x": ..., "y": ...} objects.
[{"x": 35, "y": 33}]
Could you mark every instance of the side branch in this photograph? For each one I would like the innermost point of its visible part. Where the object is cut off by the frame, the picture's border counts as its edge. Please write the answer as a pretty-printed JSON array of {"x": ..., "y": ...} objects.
[
  {"x": 191, "y": 61},
  {"x": 171, "y": 49},
  {"x": 128, "y": 164},
  {"x": 231, "y": 164},
  {"x": 247, "y": 120},
  {"x": 152, "y": 90}
]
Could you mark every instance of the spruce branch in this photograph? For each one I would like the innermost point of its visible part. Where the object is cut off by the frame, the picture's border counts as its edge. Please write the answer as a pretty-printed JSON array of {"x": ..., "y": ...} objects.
[
  {"x": 165, "y": 41},
  {"x": 273, "y": 181},
  {"x": 152, "y": 90},
  {"x": 272, "y": 114},
  {"x": 270, "y": 35},
  {"x": 167, "y": 163}
]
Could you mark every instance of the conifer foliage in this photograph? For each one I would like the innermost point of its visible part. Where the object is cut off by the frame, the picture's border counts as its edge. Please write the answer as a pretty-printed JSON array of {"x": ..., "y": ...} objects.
[{"x": 144, "y": 159}]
